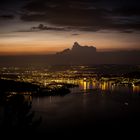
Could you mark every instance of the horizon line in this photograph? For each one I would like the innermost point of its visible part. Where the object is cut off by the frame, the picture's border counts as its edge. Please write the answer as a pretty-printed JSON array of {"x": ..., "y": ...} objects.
[{"x": 55, "y": 52}]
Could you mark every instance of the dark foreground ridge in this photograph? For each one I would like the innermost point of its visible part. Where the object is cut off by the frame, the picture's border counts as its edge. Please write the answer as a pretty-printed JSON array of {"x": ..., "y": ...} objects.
[{"x": 10, "y": 87}]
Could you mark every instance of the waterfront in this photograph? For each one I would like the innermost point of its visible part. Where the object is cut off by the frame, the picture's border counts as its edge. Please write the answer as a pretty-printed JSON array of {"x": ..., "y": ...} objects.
[
  {"x": 101, "y": 77},
  {"x": 99, "y": 100},
  {"x": 86, "y": 112}
]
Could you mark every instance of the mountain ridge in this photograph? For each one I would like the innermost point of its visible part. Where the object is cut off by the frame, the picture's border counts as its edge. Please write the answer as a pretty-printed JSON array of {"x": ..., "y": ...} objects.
[
  {"x": 77, "y": 55},
  {"x": 77, "y": 48}
]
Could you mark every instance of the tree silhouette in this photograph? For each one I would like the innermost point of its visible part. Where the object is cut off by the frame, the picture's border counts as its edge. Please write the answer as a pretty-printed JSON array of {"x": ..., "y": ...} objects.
[{"x": 18, "y": 115}]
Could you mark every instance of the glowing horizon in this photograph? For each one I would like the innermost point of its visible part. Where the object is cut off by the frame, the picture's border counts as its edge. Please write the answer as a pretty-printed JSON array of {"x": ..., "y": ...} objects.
[
  {"x": 51, "y": 42},
  {"x": 27, "y": 28}
]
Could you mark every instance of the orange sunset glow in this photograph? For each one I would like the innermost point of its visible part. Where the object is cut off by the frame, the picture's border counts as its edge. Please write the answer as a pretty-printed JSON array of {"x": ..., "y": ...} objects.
[
  {"x": 69, "y": 68},
  {"x": 50, "y": 42}
]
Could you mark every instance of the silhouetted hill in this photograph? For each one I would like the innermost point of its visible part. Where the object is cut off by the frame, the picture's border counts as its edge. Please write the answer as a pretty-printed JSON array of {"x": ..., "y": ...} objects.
[
  {"x": 77, "y": 55},
  {"x": 16, "y": 86},
  {"x": 88, "y": 55},
  {"x": 77, "y": 49}
]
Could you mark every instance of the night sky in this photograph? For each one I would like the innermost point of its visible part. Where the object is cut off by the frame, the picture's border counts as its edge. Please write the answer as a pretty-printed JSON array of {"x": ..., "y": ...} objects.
[{"x": 48, "y": 26}]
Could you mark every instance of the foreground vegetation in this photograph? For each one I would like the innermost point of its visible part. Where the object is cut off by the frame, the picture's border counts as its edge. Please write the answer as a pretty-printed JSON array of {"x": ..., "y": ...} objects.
[{"x": 10, "y": 87}]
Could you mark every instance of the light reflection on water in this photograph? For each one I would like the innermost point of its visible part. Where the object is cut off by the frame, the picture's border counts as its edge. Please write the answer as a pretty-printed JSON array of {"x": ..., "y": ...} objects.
[
  {"x": 86, "y": 85},
  {"x": 87, "y": 106},
  {"x": 136, "y": 89}
]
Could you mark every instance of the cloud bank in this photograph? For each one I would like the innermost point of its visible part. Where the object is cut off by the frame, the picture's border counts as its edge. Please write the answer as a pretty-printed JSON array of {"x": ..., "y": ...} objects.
[{"x": 88, "y": 15}]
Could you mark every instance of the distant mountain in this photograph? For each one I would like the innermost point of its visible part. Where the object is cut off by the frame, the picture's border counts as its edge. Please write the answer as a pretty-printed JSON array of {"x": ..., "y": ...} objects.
[
  {"x": 78, "y": 49},
  {"x": 87, "y": 55},
  {"x": 77, "y": 55}
]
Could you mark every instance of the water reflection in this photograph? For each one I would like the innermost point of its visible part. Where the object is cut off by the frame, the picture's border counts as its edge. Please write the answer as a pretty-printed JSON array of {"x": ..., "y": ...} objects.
[
  {"x": 90, "y": 104},
  {"x": 136, "y": 89},
  {"x": 89, "y": 109},
  {"x": 86, "y": 85}
]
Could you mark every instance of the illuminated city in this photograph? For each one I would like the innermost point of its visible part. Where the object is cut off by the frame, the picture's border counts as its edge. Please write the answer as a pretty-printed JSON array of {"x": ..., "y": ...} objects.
[
  {"x": 85, "y": 77},
  {"x": 69, "y": 67}
]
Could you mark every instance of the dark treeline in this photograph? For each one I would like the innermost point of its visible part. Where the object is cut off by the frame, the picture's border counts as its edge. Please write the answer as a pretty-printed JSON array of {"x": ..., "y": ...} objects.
[
  {"x": 16, "y": 86},
  {"x": 7, "y": 87},
  {"x": 17, "y": 115}
]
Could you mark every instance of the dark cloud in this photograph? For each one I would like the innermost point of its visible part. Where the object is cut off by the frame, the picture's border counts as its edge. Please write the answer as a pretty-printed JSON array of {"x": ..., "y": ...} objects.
[
  {"x": 127, "y": 31},
  {"x": 44, "y": 27},
  {"x": 11, "y": 7},
  {"x": 87, "y": 15},
  {"x": 74, "y": 13},
  {"x": 6, "y": 17},
  {"x": 12, "y": 2},
  {"x": 127, "y": 11},
  {"x": 75, "y": 34}
]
